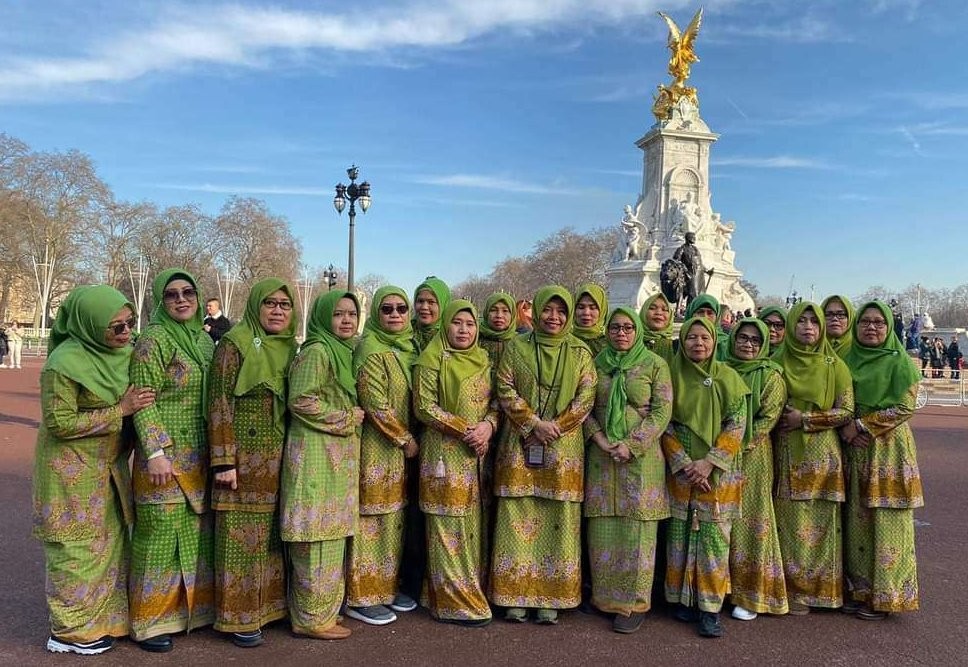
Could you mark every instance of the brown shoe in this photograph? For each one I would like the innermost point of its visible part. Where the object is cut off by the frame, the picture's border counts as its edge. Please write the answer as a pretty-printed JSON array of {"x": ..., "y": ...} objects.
[{"x": 334, "y": 632}]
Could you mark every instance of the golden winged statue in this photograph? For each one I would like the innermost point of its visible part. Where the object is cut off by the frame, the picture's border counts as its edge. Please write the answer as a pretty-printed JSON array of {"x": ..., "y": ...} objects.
[{"x": 683, "y": 55}]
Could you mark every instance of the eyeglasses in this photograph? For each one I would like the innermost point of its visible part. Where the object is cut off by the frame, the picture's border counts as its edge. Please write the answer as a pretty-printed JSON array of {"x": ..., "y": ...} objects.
[
  {"x": 623, "y": 328},
  {"x": 743, "y": 339},
  {"x": 272, "y": 304},
  {"x": 188, "y": 294},
  {"x": 121, "y": 327},
  {"x": 775, "y": 325},
  {"x": 835, "y": 314},
  {"x": 388, "y": 308},
  {"x": 872, "y": 324}
]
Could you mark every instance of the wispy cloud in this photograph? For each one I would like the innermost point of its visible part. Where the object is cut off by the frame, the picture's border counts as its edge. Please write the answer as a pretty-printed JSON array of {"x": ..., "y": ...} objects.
[
  {"x": 911, "y": 139},
  {"x": 499, "y": 183},
  {"x": 776, "y": 162},
  {"x": 855, "y": 196},
  {"x": 937, "y": 129},
  {"x": 804, "y": 29},
  {"x": 217, "y": 188},
  {"x": 907, "y": 8}
]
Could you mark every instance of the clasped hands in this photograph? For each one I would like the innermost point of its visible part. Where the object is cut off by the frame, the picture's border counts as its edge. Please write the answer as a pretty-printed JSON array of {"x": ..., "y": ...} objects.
[
  {"x": 619, "y": 451},
  {"x": 697, "y": 473},
  {"x": 854, "y": 436}
]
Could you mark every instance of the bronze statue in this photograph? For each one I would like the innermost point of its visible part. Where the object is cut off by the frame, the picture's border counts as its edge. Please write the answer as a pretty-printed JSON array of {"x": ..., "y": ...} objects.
[
  {"x": 691, "y": 259},
  {"x": 683, "y": 55}
]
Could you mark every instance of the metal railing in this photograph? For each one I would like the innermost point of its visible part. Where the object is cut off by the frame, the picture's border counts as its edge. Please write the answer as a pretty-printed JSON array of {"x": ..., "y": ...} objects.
[{"x": 943, "y": 386}]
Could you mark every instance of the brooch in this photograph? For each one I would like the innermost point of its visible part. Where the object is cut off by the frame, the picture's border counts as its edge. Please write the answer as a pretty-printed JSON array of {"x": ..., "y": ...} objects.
[
  {"x": 708, "y": 382},
  {"x": 257, "y": 342}
]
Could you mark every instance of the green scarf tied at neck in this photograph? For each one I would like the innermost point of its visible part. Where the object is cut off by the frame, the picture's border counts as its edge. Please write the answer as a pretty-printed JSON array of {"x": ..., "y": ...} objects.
[
  {"x": 882, "y": 375},
  {"x": 78, "y": 347},
  {"x": 615, "y": 363},
  {"x": 597, "y": 294},
  {"x": 454, "y": 366},
  {"x": 703, "y": 392},
  {"x": 376, "y": 339},
  {"x": 554, "y": 361},
  {"x": 319, "y": 331},
  {"x": 190, "y": 336},
  {"x": 843, "y": 344},
  {"x": 423, "y": 333},
  {"x": 488, "y": 333},
  {"x": 810, "y": 370},
  {"x": 265, "y": 357},
  {"x": 753, "y": 371}
]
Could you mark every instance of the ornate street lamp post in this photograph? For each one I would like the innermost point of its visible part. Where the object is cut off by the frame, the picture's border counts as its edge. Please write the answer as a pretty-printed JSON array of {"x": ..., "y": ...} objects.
[
  {"x": 330, "y": 275},
  {"x": 352, "y": 192}
]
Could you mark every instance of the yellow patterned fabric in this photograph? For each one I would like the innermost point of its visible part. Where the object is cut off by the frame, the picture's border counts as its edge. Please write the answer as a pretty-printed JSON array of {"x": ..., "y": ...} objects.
[
  {"x": 316, "y": 585},
  {"x": 376, "y": 552},
  {"x": 697, "y": 570}
]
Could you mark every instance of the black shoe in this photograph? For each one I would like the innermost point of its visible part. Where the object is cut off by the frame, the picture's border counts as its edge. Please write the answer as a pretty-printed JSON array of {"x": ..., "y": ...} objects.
[
  {"x": 686, "y": 614},
  {"x": 58, "y": 645},
  {"x": 626, "y": 625},
  {"x": 467, "y": 622},
  {"x": 248, "y": 639},
  {"x": 159, "y": 644},
  {"x": 709, "y": 625}
]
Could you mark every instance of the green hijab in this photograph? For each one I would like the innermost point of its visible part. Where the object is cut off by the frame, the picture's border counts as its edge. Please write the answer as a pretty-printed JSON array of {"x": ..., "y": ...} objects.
[
  {"x": 553, "y": 359},
  {"x": 486, "y": 332},
  {"x": 423, "y": 333},
  {"x": 703, "y": 392},
  {"x": 185, "y": 334},
  {"x": 770, "y": 310},
  {"x": 753, "y": 371},
  {"x": 843, "y": 344},
  {"x": 319, "y": 331},
  {"x": 882, "y": 375},
  {"x": 377, "y": 339},
  {"x": 596, "y": 330},
  {"x": 810, "y": 371},
  {"x": 77, "y": 343},
  {"x": 454, "y": 366},
  {"x": 265, "y": 357},
  {"x": 709, "y": 301},
  {"x": 662, "y": 334},
  {"x": 615, "y": 363}
]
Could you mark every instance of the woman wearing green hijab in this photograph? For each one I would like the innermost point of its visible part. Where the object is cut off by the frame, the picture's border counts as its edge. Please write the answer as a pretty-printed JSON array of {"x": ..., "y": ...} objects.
[
  {"x": 546, "y": 388},
  {"x": 382, "y": 364},
  {"x": 702, "y": 445},
  {"x": 318, "y": 504},
  {"x": 774, "y": 317},
  {"x": 429, "y": 301},
  {"x": 591, "y": 311},
  {"x": 172, "y": 539},
  {"x": 81, "y": 495},
  {"x": 452, "y": 397},
  {"x": 246, "y": 433},
  {"x": 755, "y": 563},
  {"x": 656, "y": 316},
  {"x": 625, "y": 488},
  {"x": 499, "y": 324},
  {"x": 883, "y": 482},
  {"x": 707, "y": 306},
  {"x": 838, "y": 313},
  {"x": 809, "y": 484}
]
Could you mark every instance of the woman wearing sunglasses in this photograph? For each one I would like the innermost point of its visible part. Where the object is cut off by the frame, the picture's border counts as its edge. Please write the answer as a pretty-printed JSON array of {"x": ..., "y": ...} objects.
[
  {"x": 171, "y": 566},
  {"x": 382, "y": 365},
  {"x": 246, "y": 431},
  {"x": 774, "y": 317},
  {"x": 81, "y": 494}
]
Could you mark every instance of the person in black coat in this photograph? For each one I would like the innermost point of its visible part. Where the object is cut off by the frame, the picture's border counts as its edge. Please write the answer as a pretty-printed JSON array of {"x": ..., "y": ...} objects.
[
  {"x": 215, "y": 323},
  {"x": 954, "y": 359}
]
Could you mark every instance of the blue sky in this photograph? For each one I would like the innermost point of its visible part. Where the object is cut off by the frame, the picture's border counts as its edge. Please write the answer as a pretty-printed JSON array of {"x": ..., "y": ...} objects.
[{"x": 484, "y": 126}]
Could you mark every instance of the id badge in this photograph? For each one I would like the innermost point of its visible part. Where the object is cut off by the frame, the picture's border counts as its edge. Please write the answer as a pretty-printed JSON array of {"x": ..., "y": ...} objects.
[{"x": 534, "y": 455}]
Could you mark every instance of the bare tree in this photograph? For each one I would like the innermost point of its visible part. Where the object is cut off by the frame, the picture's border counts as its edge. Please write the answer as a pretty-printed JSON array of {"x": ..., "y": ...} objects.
[{"x": 258, "y": 242}]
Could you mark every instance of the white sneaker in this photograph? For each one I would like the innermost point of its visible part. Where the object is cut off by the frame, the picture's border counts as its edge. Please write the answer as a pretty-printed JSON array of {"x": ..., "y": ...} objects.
[
  {"x": 743, "y": 614},
  {"x": 57, "y": 645}
]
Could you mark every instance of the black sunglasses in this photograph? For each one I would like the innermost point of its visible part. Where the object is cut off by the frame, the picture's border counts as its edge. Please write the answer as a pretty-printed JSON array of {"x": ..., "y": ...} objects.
[
  {"x": 127, "y": 325},
  {"x": 388, "y": 308}
]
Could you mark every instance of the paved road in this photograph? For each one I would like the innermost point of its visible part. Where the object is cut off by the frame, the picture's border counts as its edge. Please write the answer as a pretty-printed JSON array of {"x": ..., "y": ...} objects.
[{"x": 937, "y": 635}]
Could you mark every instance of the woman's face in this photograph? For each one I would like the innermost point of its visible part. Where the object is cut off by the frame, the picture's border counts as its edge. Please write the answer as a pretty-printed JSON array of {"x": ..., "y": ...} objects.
[
  {"x": 621, "y": 332},
  {"x": 748, "y": 343},
  {"x": 499, "y": 316},
  {"x": 777, "y": 327},
  {"x": 427, "y": 307},
  {"x": 586, "y": 311},
  {"x": 807, "y": 331},
  {"x": 872, "y": 328},
  {"x": 180, "y": 300},
  {"x": 706, "y": 313},
  {"x": 553, "y": 317},
  {"x": 835, "y": 313},
  {"x": 699, "y": 343},
  {"x": 393, "y": 313},
  {"x": 657, "y": 315},
  {"x": 462, "y": 330},
  {"x": 124, "y": 322},
  {"x": 275, "y": 313},
  {"x": 345, "y": 318}
]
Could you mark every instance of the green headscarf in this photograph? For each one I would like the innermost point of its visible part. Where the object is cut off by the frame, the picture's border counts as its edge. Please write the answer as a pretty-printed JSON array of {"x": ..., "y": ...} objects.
[
  {"x": 454, "y": 366},
  {"x": 616, "y": 364},
  {"x": 553, "y": 358},
  {"x": 78, "y": 348},
  {"x": 810, "y": 371},
  {"x": 185, "y": 334},
  {"x": 770, "y": 310},
  {"x": 843, "y": 344},
  {"x": 423, "y": 333},
  {"x": 265, "y": 357},
  {"x": 377, "y": 339},
  {"x": 882, "y": 375},
  {"x": 709, "y": 301},
  {"x": 702, "y": 392},
  {"x": 486, "y": 332},
  {"x": 662, "y": 334},
  {"x": 596, "y": 330},
  {"x": 752, "y": 371},
  {"x": 319, "y": 331}
]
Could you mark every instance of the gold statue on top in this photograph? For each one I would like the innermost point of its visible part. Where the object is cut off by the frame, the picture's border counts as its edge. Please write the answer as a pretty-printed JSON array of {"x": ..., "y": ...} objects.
[{"x": 683, "y": 55}]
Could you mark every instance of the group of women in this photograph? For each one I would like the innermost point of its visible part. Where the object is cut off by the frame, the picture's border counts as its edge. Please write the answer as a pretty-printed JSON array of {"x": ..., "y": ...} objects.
[{"x": 467, "y": 461}]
